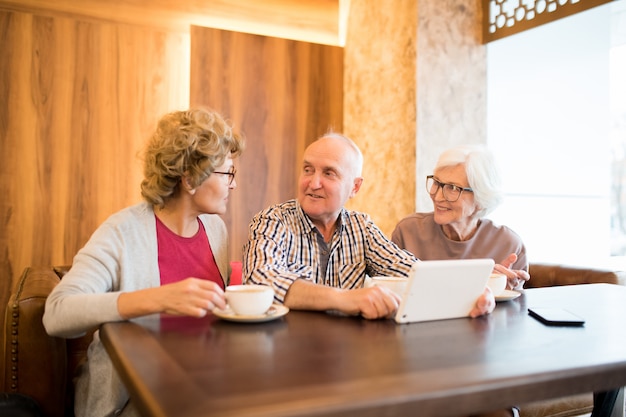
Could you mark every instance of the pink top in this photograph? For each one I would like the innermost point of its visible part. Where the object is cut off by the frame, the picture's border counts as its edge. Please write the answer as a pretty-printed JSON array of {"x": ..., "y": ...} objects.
[{"x": 184, "y": 257}]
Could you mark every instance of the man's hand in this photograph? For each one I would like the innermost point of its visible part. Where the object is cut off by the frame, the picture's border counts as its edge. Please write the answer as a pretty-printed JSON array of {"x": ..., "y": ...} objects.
[{"x": 373, "y": 302}]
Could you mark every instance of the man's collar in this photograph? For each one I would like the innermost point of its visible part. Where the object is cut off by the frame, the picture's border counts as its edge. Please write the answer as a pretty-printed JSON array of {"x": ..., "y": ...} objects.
[{"x": 307, "y": 224}]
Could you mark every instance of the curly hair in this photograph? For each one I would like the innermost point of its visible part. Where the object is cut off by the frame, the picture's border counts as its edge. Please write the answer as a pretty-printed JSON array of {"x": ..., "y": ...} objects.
[{"x": 191, "y": 143}]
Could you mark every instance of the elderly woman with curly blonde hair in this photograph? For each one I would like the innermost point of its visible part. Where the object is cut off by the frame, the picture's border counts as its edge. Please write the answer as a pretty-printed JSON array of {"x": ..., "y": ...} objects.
[{"x": 167, "y": 254}]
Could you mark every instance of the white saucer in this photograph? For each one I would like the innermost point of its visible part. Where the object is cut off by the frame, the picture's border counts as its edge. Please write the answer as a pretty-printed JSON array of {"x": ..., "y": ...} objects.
[
  {"x": 275, "y": 311},
  {"x": 507, "y": 295}
]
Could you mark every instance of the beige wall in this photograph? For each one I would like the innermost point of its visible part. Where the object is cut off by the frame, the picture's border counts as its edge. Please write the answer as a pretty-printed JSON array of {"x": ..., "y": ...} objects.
[
  {"x": 451, "y": 80},
  {"x": 379, "y": 104},
  {"x": 414, "y": 85}
]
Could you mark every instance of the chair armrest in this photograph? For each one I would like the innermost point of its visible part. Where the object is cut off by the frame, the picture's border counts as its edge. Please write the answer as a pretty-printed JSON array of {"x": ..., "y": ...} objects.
[
  {"x": 548, "y": 275},
  {"x": 35, "y": 363}
]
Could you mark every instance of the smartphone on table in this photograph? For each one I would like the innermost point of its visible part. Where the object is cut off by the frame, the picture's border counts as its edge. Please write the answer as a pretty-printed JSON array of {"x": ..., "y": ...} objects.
[{"x": 555, "y": 316}]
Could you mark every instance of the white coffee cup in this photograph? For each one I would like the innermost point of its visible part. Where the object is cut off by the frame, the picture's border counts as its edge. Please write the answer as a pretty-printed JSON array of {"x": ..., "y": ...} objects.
[
  {"x": 497, "y": 283},
  {"x": 395, "y": 284},
  {"x": 249, "y": 300}
]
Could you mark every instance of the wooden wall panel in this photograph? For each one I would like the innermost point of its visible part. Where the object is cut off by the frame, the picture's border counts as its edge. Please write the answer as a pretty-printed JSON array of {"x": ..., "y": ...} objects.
[
  {"x": 78, "y": 101},
  {"x": 281, "y": 94},
  {"x": 306, "y": 20}
]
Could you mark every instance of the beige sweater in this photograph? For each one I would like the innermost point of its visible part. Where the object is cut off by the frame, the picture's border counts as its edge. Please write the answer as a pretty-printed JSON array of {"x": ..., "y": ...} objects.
[{"x": 420, "y": 235}]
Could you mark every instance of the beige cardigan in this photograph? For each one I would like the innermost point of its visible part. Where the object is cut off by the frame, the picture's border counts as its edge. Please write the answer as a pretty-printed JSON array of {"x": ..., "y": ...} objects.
[{"x": 120, "y": 256}]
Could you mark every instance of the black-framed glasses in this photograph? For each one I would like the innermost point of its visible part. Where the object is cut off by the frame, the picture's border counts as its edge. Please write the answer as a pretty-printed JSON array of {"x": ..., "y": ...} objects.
[
  {"x": 231, "y": 174},
  {"x": 451, "y": 192}
]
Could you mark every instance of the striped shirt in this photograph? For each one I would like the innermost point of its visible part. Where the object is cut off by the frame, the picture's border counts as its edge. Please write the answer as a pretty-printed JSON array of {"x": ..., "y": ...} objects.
[{"x": 283, "y": 246}]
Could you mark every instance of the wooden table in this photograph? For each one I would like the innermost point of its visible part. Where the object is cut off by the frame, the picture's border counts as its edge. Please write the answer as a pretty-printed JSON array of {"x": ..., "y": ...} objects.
[{"x": 319, "y": 364}]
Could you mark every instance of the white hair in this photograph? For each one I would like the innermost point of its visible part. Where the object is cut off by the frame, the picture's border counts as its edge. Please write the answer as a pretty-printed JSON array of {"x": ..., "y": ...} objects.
[{"x": 482, "y": 174}]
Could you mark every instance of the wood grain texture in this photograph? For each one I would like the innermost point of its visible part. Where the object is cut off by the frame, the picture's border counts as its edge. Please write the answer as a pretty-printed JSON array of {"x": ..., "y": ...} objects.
[
  {"x": 316, "y": 364},
  {"x": 306, "y": 20},
  {"x": 83, "y": 83},
  {"x": 79, "y": 100},
  {"x": 281, "y": 94}
]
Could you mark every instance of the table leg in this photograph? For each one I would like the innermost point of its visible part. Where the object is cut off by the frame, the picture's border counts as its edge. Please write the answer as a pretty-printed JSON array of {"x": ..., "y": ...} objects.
[{"x": 618, "y": 410}]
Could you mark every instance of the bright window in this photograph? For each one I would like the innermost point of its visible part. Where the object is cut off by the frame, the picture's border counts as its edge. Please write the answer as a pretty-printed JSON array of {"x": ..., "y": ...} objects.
[{"x": 557, "y": 124}]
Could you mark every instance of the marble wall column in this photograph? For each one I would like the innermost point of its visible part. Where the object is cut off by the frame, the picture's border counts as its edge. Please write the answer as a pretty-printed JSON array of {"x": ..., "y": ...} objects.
[
  {"x": 414, "y": 84},
  {"x": 451, "y": 83}
]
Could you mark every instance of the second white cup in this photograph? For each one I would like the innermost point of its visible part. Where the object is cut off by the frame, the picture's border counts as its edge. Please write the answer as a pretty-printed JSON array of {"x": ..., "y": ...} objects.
[{"x": 497, "y": 283}]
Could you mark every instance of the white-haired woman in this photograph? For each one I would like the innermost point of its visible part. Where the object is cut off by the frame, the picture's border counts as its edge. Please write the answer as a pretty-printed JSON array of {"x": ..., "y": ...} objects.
[{"x": 464, "y": 187}]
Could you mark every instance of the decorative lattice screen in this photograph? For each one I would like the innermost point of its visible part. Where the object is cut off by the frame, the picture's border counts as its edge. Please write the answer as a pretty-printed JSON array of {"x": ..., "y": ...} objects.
[{"x": 506, "y": 17}]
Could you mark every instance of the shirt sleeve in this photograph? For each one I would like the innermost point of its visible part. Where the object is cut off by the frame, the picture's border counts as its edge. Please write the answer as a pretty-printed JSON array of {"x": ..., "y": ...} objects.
[
  {"x": 265, "y": 256},
  {"x": 383, "y": 256}
]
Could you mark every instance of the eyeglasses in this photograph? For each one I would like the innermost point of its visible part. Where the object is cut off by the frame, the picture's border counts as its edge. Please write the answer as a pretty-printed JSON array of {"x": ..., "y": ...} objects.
[
  {"x": 231, "y": 174},
  {"x": 451, "y": 192}
]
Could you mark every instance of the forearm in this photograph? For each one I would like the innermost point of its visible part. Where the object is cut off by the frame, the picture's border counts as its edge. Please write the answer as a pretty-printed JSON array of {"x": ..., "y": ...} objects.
[
  {"x": 139, "y": 303},
  {"x": 71, "y": 315},
  {"x": 305, "y": 295},
  {"x": 189, "y": 297}
]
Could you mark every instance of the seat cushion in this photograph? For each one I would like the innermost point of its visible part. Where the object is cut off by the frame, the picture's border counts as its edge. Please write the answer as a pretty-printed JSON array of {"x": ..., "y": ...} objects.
[{"x": 576, "y": 405}]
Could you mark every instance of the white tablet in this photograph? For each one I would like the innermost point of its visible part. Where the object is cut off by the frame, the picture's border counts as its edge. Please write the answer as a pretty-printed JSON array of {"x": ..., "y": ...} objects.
[{"x": 440, "y": 290}]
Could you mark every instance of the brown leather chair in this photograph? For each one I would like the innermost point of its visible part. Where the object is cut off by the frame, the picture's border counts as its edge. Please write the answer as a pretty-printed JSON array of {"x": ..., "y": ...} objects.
[
  {"x": 36, "y": 365},
  {"x": 547, "y": 275}
]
